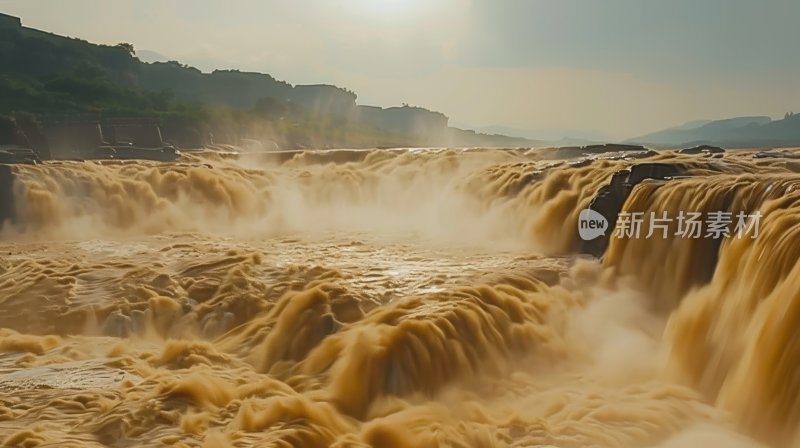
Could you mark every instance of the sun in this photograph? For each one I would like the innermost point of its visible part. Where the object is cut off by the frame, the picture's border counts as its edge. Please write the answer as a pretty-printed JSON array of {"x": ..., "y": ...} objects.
[
  {"x": 390, "y": 5},
  {"x": 391, "y": 9}
]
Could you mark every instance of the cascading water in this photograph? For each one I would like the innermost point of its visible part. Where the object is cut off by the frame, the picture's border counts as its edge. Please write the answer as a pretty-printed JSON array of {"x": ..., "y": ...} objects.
[{"x": 410, "y": 298}]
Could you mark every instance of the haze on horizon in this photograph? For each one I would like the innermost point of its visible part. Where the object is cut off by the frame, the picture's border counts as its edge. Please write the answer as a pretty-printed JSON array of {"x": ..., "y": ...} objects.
[{"x": 611, "y": 69}]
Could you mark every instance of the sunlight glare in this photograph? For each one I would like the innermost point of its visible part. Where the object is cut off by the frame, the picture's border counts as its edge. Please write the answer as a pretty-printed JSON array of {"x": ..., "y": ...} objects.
[{"x": 392, "y": 9}]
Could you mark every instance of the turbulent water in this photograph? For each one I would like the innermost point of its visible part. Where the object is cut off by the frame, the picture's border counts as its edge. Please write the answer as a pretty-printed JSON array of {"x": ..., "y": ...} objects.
[{"x": 409, "y": 298}]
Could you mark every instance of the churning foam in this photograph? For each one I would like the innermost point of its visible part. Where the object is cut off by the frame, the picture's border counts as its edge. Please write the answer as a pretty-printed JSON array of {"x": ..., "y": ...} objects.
[{"x": 390, "y": 299}]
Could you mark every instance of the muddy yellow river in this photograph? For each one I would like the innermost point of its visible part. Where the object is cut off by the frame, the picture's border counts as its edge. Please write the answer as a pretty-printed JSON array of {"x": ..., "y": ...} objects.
[{"x": 408, "y": 298}]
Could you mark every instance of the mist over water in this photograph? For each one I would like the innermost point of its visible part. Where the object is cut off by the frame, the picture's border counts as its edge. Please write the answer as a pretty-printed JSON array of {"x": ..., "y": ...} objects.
[{"x": 407, "y": 298}]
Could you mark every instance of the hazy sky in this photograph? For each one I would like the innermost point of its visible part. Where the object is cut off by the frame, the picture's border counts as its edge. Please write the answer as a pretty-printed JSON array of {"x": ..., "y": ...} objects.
[{"x": 616, "y": 67}]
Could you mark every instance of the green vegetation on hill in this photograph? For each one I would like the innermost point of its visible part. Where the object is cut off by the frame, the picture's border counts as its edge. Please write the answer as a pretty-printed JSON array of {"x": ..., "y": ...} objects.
[
  {"x": 44, "y": 73},
  {"x": 48, "y": 74},
  {"x": 87, "y": 90}
]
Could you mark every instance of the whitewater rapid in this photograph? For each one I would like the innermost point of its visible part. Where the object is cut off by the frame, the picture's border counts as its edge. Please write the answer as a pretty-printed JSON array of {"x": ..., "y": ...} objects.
[{"x": 406, "y": 298}]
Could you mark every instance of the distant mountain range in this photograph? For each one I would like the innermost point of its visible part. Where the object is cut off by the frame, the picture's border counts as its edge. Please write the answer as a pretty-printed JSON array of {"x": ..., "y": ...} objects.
[
  {"x": 545, "y": 137},
  {"x": 739, "y": 132}
]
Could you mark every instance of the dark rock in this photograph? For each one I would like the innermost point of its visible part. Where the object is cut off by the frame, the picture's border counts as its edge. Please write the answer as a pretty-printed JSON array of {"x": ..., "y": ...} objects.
[
  {"x": 6, "y": 195},
  {"x": 702, "y": 149},
  {"x": 629, "y": 155},
  {"x": 611, "y": 197},
  {"x": 653, "y": 171},
  {"x": 612, "y": 147},
  {"x": 775, "y": 155}
]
